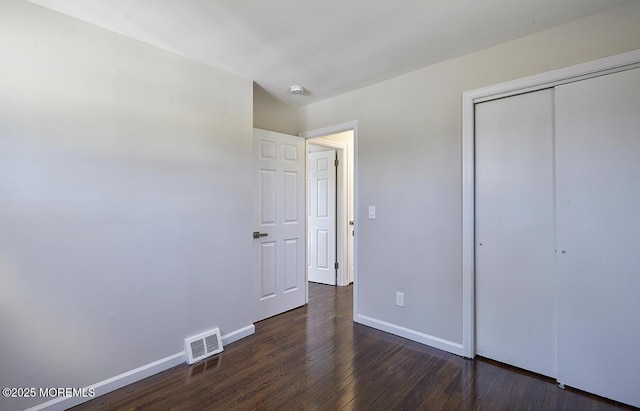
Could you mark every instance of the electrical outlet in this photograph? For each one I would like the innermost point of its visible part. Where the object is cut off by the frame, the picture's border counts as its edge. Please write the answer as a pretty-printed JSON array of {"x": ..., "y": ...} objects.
[{"x": 399, "y": 299}]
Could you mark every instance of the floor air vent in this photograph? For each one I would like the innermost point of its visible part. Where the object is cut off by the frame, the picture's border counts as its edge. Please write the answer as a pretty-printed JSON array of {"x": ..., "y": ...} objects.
[{"x": 203, "y": 345}]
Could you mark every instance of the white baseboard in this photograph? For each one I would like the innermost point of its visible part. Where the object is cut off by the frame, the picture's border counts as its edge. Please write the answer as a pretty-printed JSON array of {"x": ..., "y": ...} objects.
[
  {"x": 239, "y": 334},
  {"x": 129, "y": 377},
  {"x": 426, "y": 339}
]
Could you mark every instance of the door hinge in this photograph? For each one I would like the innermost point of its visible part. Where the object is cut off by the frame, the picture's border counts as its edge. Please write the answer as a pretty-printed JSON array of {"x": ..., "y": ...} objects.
[
  {"x": 337, "y": 265},
  {"x": 336, "y": 162}
]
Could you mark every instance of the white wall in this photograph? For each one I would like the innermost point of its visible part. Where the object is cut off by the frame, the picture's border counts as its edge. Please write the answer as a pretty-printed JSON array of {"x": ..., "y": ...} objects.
[
  {"x": 272, "y": 114},
  {"x": 409, "y": 167},
  {"x": 125, "y": 201}
]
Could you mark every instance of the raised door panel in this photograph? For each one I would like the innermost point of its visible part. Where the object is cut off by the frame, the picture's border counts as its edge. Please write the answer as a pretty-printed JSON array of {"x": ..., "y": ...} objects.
[
  {"x": 291, "y": 265},
  {"x": 267, "y": 270},
  {"x": 291, "y": 197},
  {"x": 267, "y": 197},
  {"x": 322, "y": 249}
]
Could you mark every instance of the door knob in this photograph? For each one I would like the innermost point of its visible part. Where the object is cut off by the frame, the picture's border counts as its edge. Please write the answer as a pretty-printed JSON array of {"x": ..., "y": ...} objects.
[{"x": 258, "y": 234}]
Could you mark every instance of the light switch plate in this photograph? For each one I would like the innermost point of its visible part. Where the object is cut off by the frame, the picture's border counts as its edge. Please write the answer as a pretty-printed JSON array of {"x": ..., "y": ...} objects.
[{"x": 372, "y": 211}]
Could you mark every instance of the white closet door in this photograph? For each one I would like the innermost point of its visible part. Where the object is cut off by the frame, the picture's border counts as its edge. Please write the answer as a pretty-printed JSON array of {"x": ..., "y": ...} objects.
[
  {"x": 515, "y": 285},
  {"x": 598, "y": 234}
]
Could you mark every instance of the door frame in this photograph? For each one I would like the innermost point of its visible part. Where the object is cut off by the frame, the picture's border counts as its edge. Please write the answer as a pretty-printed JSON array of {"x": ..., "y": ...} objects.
[
  {"x": 620, "y": 62},
  {"x": 335, "y": 129}
]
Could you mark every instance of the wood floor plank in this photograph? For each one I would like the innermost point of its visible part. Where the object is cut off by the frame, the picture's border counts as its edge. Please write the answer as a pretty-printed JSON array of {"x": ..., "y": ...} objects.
[{"x": 316, "y": 358}]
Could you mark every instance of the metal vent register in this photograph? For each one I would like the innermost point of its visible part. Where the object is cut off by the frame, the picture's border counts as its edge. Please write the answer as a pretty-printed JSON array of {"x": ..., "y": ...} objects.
[{"x": 203, "y": 345}]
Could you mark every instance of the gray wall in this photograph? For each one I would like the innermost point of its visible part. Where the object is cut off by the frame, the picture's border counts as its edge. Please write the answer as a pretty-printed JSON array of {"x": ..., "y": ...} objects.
[
  {"x": 409, "y": 153},
  {"x": 125, "y": 201},
  {"x": 272, "y": 114}
]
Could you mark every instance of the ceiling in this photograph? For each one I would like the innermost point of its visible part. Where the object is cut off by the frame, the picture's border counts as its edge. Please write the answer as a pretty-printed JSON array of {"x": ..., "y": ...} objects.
[{"x": 327, "y": 46}]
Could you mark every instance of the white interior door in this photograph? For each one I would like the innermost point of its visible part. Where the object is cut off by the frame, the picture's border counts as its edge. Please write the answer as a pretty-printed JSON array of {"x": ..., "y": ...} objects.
[
  {"x": 321, "y": 218},
  {"x": 515, "y": 284},
  {"x": 598, "y": 234},
  {"x": 279, "y": 223}
]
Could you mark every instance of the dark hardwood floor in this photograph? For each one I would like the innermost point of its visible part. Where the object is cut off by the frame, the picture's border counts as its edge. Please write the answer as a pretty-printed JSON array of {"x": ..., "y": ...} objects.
[{"x": 315, "y": 357}]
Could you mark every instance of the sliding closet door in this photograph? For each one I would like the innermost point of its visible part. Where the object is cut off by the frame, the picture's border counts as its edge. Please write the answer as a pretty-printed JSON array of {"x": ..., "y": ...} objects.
[
  {"x": 598, "y": 235},
  {"x": 515, "y": 285}
]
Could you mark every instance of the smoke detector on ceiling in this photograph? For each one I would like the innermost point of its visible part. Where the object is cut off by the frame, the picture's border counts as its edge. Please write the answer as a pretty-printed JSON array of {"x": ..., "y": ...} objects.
[{"x": 296, "y": 89}]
